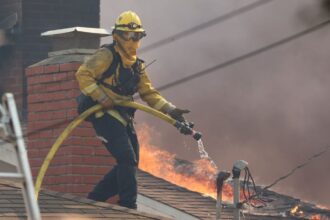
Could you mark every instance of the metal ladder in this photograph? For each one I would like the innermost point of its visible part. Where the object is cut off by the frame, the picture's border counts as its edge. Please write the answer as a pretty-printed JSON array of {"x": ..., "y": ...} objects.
[{"x": 14, "y": 153}]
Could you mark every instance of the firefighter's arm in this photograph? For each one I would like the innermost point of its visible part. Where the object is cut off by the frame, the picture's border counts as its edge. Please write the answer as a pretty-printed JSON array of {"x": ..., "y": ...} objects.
[
  {"x": 91, "y": 70},
  {"x": 151, "y": 96}
]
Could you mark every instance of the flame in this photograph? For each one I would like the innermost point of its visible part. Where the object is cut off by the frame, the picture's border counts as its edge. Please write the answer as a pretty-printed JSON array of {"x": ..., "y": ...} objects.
[
  {"x": 294, "y": 210},
  {"x": 198, "y": 176},
  {"x": 299, "y": 213},
  {"x": 315, "y": 217}
]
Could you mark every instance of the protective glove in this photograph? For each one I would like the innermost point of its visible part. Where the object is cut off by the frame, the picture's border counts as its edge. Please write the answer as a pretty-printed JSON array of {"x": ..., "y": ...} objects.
[
  {"x": 177, "y": 114},
  {"x": 102, "y": 98},
  {"x": 106, "y": 102}
]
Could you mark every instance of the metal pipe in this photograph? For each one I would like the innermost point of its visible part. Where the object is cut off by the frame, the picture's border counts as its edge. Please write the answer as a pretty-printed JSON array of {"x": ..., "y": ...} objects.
[
  {"x": 221, "y": 177},
  {"x": 237, "y": 168},
  {"x": 236, "y": 174}
]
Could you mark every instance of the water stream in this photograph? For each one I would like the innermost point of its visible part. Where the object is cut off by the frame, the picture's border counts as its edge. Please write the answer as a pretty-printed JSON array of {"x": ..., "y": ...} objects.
[{"x": 204, "y": 155}]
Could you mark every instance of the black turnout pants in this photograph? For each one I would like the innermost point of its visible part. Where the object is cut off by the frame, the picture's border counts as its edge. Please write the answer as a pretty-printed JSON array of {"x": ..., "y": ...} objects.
[{"x": 122, "y": 143}]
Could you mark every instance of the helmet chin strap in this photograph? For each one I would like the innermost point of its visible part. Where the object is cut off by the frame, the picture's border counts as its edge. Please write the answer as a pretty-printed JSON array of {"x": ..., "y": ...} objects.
[
  {"x": 127, "y": 59},
  {"x": 122, "y": 49}
]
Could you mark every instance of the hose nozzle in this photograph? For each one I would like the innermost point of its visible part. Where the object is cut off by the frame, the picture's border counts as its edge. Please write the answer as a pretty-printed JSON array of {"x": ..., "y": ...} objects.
[
  {"x": 197, "y": 135},
  {"x": 186, "y": 128}
]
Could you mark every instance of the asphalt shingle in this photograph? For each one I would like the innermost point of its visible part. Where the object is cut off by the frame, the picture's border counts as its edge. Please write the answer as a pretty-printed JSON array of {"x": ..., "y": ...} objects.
[{"x": 55, "y": 205}]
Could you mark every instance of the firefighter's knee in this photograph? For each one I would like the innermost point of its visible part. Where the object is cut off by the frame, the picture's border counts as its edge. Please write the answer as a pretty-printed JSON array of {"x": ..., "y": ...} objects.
[{"x": 127, "y": 158}]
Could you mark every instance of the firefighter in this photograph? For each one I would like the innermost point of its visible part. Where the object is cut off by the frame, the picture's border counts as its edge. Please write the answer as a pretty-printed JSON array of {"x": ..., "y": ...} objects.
[{"x": 114, "y": 72}]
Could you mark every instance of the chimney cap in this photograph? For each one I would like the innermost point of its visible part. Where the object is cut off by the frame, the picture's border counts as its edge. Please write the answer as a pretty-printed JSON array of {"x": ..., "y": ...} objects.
[
  {"x": 69, "y": 32},
  {"x": 75, "y": 38}
]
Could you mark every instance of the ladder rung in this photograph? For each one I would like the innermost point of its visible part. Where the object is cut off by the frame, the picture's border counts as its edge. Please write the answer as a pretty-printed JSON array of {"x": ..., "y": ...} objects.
[{"x": 16, "y": 177}]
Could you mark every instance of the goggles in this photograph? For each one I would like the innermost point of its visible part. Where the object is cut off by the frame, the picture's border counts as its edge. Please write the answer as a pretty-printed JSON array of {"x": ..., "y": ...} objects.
[{"x": 130, "y": 35}]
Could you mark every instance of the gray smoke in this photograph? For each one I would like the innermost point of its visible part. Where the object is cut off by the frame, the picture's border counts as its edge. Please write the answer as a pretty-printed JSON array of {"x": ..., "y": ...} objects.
[{"x": 271, "y": 110}]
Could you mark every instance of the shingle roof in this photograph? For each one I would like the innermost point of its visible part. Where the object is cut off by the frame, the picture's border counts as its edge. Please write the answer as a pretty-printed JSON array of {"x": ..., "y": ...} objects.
[
  {"x": 56, "y": 205},
  {"x": 202, "y": 207}
]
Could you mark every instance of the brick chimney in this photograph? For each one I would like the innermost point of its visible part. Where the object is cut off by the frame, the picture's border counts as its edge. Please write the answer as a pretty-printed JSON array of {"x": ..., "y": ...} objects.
[{"x": 52, "y": 88}]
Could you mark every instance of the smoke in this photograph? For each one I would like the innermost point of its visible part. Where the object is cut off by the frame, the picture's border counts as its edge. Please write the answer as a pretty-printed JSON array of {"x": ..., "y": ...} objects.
[
  {"x": 270, "y": 110},
  {"x": 326, "y": 5}
]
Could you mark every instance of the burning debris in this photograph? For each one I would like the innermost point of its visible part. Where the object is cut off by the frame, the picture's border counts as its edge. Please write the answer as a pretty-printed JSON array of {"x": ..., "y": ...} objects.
[
  {"x": 286, "y": 206},
  {"x": 311, "y": 212},
  {"x": 296, "y": 212}
]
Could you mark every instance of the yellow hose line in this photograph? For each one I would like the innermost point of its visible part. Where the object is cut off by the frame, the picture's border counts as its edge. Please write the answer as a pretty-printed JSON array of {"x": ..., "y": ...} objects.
[
  {"x": 80, "y": 119},
  {"x": 148, "y": 110}
]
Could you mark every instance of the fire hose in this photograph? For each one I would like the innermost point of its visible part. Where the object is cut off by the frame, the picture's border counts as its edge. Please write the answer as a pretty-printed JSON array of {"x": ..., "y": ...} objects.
[{"x": 179, "y": 125}]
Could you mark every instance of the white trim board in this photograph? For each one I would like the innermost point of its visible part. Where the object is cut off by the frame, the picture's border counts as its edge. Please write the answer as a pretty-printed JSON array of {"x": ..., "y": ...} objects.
[{"x": 148, "y": 205}]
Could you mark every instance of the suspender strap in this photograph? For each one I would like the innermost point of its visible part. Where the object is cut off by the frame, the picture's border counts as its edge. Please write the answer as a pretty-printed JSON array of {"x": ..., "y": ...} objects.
[{"x": 112, "y": 69}]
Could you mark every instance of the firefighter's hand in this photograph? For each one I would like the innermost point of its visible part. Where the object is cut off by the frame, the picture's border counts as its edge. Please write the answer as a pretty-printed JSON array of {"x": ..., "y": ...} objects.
[
  {"x": 186, "y": 129},
  {"x": 177, "y": 114},
  {"x": 106, "y": 103}
]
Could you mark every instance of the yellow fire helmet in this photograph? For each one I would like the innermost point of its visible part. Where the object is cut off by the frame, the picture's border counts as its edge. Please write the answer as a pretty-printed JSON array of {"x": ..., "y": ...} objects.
[{"x": 128, "y": 21}]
